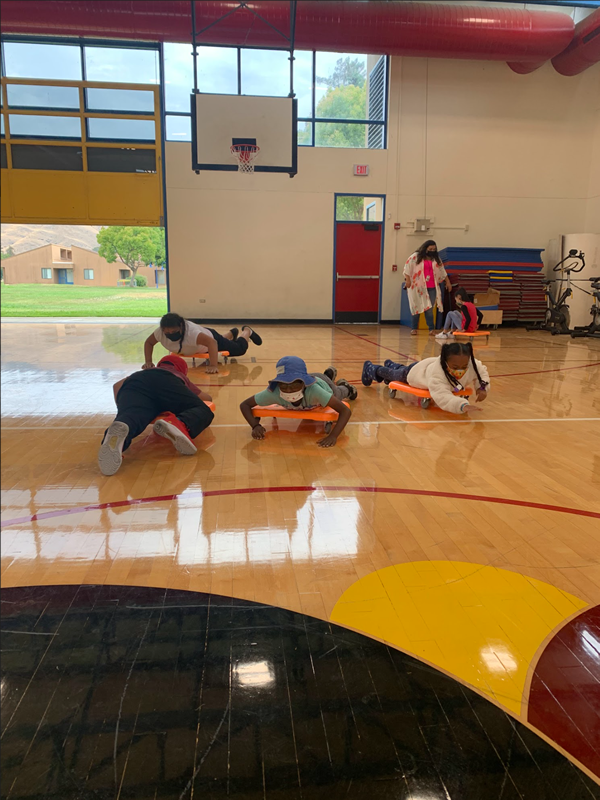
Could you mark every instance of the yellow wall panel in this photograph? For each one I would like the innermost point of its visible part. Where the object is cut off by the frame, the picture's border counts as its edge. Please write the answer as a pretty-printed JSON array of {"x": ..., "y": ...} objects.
[
  {"x": 124, "y": 198},
  {"x": 5, "y": 195},
  {"x": 48, "y": 196}
]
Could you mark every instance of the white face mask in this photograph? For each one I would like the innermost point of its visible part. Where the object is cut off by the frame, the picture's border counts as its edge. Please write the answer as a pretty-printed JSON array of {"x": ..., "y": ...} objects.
[{"x": 292, "y": 397}]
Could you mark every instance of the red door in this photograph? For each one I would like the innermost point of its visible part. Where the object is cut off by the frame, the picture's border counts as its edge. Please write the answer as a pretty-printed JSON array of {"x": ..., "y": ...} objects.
[{"x": 357, "y": 268}]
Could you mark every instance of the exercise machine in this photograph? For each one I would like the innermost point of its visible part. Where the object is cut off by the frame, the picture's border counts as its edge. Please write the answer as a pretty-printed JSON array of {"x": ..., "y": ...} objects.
[
  {"x": 593, "y": 329},
  {"x": 557, "y": 319}
]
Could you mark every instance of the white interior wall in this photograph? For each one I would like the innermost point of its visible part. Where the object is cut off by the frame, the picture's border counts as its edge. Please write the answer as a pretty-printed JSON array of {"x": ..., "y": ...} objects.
[{"x": 469, "y": 143}]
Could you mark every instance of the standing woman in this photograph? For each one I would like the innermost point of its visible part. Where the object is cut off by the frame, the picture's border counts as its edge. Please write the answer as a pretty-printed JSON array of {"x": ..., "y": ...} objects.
[{"x": 423, "y": 273}]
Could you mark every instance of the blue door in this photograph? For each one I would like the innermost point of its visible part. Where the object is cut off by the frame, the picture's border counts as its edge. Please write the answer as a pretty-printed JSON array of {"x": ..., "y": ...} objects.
[{"x": 65, "y": 276}]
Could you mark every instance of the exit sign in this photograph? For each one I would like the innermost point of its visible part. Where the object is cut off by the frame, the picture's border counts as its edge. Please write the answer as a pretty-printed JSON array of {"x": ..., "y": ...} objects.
[{"x": 361, "y": 169}]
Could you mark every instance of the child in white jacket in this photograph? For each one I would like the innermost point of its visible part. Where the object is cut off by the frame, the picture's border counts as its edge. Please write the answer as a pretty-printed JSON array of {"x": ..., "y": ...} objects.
[{"x": 454, "y": 369}]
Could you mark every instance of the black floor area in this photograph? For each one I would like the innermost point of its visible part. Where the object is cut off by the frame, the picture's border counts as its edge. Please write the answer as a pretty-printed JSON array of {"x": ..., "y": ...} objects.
[{"x": 119, "y": 692}]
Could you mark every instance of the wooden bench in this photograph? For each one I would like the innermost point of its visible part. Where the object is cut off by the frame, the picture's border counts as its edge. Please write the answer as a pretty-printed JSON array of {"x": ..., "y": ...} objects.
[
  {"x": 327, "y": 415},
  {"x": 423, "y": 394}
]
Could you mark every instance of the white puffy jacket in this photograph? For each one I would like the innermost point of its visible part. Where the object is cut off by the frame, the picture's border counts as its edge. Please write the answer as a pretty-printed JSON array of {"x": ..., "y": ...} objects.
[{"x": 428, "y": 374}]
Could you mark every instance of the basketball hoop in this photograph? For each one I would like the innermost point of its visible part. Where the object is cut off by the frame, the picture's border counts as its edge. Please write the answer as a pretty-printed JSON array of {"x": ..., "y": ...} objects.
[{"x": 245, "y": 155}]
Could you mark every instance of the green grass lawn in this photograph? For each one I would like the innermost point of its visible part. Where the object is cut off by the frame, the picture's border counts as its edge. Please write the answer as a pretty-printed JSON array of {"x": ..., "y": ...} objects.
[{"x": 54, "y": 300}]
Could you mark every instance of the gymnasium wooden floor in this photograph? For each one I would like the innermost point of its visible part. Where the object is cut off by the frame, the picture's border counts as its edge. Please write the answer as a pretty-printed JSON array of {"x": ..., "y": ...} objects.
[{"x": 471, "y": 545}]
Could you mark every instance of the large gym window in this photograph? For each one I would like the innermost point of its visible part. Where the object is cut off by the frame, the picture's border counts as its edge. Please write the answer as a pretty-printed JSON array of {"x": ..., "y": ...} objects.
[{"x": 342, "y": 97}]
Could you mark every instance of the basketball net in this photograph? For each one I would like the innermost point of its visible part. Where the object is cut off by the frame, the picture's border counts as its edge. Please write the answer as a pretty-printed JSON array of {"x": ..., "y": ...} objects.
[{"x": 245, "y": 155}]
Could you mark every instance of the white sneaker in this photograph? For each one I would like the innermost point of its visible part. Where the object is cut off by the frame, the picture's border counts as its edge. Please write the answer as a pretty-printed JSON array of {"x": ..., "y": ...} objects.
[
  {"x": 442, "y": 335},
  {"x": 110, "y": 455}
]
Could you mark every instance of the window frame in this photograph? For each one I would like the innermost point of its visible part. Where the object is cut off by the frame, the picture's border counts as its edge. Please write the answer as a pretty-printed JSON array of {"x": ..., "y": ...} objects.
[
  {"x": 312, "y": 119},
  {"x": 47, "y": 277},
  {"x": 87, "y": 276}
]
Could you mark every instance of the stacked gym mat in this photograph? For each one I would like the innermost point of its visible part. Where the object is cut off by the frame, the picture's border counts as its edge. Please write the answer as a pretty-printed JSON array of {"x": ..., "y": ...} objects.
[{"x": 516, "y": 272}]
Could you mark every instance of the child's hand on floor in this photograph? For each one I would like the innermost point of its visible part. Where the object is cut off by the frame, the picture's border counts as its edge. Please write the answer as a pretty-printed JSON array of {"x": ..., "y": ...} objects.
[
  {"x": 328, "y": 441},
  {"x": 258, "y": 432},
  {"x": 212, "y": 370}
]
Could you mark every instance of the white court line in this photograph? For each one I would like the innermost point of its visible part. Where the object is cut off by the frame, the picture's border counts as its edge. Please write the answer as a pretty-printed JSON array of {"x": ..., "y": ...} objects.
[{"x": 355, "y": 422}]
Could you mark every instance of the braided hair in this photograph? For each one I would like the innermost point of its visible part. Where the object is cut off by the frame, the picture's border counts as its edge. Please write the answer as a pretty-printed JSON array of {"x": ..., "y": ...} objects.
[
  {"x": 458, "y": 349},
  {"x": 173, "y": 320}
]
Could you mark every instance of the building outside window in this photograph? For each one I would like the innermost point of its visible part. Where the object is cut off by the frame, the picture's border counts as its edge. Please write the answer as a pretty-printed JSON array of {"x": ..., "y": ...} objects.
[
  {"x": 47, "y": 274},
  {"x": 124, "y": 274},
  {"x": 88, "y": 274},
  {"x": 342, "y": 97}
]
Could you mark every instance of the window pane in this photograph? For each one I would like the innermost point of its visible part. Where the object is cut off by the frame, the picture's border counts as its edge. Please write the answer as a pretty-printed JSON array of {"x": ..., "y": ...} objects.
[
  {"x": 48, "y": 61},
  {"x": 341, "y": 86},
  {"x": 179, "y": 129},
  {"x": 46, "y": 274},
  {"x": 121, "y": 129},
  {"x": 88, "y": 274},
  {"x": 120, "y": 159},
  {"x": 217, "y": 71},
  {"x": 266, "y": 72},
  {"x": 25, "y": 125},
  {"x": 119, "y": 100},
  {"x": 305, "y": 133},
  {"x": 2, "y": 124},
  {"x": 341, "y": 134},
  {"x": 66, "y": 97},
  {"x": 121, "y": 65},
  {"x": 43, "y": 156},
  {"x": 303, "y": 69},
  {"x": 179, "y": 76},
  {"x": 365, "y": 209}
]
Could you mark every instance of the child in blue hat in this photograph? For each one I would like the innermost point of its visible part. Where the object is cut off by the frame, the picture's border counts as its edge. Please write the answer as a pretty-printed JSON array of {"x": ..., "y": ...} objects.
[{"x": 296, "y": 388}]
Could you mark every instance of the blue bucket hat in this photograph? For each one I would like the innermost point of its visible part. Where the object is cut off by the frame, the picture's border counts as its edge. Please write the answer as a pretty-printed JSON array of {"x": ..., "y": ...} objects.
[{"x": 290, "y": 369}]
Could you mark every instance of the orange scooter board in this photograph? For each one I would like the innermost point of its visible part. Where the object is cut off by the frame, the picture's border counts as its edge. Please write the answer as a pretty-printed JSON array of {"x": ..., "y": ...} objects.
[
  {"x": 471, "y": 335},
  {"x": 327, "y": 415},
  {"x": 209, "y": 403},
  {"x": 205, "y": 356},
  {"x": 422, "y": 394}
]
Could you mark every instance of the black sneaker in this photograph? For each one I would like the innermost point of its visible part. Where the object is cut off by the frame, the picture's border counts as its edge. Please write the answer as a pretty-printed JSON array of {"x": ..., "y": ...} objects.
[
  {"x": 235, "y": 332},
  {"x": 254, "y": 337},
  {"x": 331, "y": 373},
  {"x": 352, "y": 390},
  {"x": 368, "y": 373}
]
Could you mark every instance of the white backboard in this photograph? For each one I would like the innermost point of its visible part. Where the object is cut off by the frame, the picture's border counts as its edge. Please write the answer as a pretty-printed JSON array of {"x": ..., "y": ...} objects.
[{"x": 218, "y": 119}]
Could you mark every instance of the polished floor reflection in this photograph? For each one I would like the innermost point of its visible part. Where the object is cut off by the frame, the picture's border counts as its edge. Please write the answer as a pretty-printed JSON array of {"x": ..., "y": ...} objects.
[
  {"x": 512, "y": 491},
  {"x": 112, "y": 691}
]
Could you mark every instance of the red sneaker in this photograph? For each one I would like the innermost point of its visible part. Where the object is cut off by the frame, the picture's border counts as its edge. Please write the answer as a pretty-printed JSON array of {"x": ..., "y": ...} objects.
[{"x": 175, "y": 431}]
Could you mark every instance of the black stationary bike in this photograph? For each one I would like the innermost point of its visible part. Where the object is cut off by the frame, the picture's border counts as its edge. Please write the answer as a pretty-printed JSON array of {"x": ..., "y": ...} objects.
[
  {"x": 593, "y": 329},
  {"x": 558, "y": 318}
]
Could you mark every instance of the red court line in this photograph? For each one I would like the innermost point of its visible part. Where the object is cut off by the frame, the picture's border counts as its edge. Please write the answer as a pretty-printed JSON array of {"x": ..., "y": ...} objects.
[
  {"x": 268, "y": 489},
  {"x": 370, "y": 341},
  {"x": 540, "y": 371}
]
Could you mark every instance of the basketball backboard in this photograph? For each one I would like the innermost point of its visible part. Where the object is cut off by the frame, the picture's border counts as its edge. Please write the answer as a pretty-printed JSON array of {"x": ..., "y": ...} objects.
[{"x": 220, "y": 120}]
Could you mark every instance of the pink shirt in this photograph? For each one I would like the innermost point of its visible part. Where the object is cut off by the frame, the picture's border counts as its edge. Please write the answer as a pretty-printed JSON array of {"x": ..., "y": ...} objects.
[{"x": 428, "y": 273}]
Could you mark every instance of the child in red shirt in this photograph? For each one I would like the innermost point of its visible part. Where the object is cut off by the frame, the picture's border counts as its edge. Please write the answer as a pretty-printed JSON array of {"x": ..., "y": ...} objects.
[{"x": 466, "y": 318}]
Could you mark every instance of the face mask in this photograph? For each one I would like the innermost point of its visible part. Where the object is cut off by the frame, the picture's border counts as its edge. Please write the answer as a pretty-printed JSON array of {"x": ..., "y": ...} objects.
[
  {"x": 430, "y": 254},
  {"x": 292, "y": 397},
  {"x": 174, "y": 337},
  {"x": 457, "y": 373}
]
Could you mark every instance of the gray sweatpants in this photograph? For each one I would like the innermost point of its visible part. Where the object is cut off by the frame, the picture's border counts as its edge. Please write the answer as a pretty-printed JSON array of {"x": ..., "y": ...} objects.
[{"x": 341, "y": 392}]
